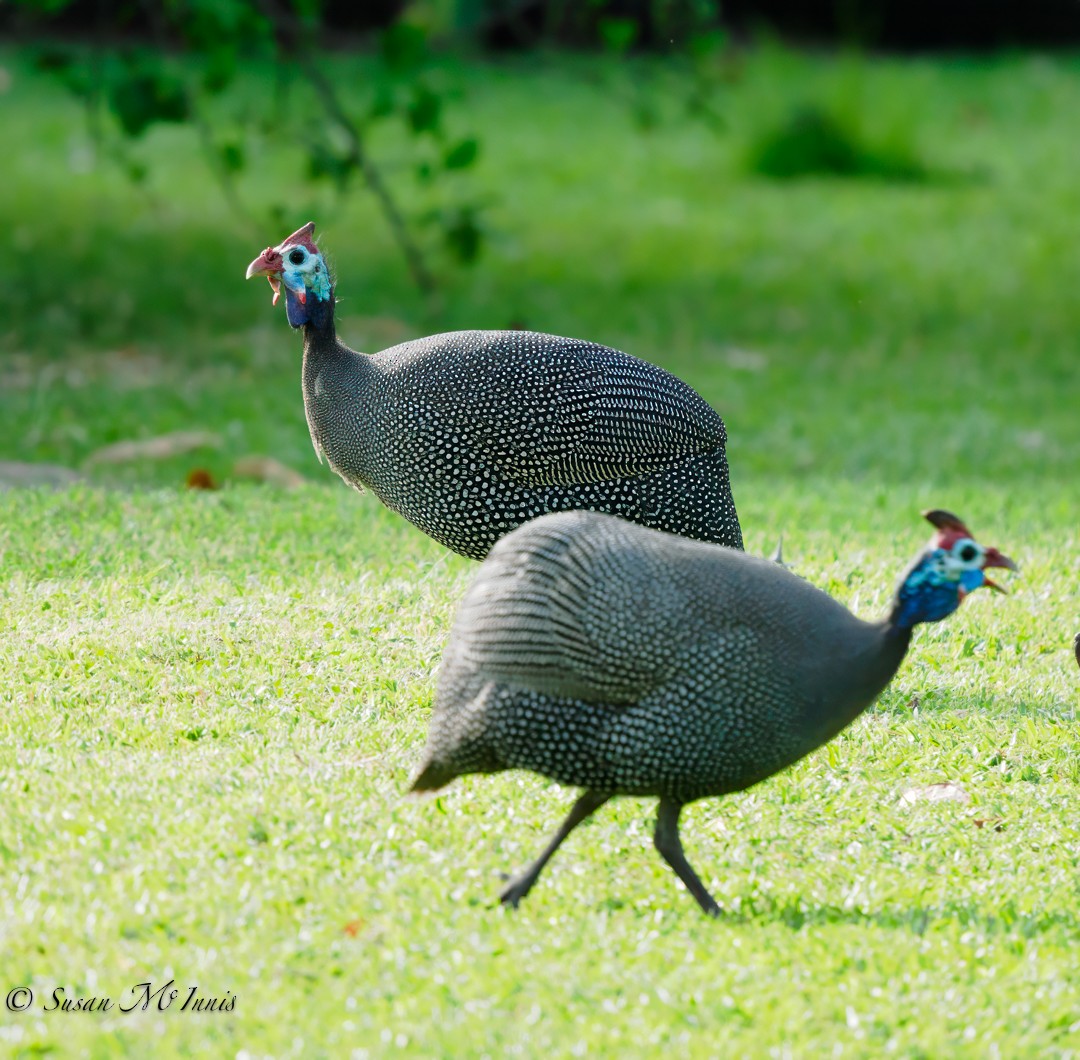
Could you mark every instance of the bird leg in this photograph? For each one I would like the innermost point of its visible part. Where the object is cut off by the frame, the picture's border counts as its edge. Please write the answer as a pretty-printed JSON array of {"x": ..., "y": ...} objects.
[
  {"x": 667, "y": 842},
  {"x": 584, "y": 807}
]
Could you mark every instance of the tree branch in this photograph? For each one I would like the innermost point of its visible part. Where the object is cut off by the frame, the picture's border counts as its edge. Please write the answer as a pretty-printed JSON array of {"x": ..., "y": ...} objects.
[{"x": 358, "y": 155}]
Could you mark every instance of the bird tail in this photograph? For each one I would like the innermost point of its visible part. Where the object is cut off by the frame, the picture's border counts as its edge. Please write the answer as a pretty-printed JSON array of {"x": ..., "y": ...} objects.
[{"x": 434, "y": 775}]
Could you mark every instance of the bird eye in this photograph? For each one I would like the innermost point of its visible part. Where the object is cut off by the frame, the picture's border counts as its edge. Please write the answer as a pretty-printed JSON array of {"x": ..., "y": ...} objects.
[
  {"x": 968, "y": 553},
  {"x": 297, "y": 257}
]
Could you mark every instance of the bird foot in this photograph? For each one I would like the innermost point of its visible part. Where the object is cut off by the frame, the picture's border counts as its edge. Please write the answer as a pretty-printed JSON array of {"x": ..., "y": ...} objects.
[{"x": 514, "y": 891}]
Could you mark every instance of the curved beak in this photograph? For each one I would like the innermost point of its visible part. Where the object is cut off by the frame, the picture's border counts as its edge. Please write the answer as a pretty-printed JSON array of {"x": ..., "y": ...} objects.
[
  {"x": 268, "y": 264},
  {"x": 997, "y": 559}
]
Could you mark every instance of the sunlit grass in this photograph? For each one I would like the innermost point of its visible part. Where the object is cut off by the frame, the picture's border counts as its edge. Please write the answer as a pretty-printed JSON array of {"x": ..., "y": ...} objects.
[{"x": 211, "y": 706}]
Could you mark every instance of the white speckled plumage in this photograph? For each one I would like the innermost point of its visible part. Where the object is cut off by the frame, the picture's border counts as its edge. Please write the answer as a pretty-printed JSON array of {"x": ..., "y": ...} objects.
[
  {"x": 625, "y": 661},
  {"x": 472, "y": 433},
  {"x": 612, "y": 657}
]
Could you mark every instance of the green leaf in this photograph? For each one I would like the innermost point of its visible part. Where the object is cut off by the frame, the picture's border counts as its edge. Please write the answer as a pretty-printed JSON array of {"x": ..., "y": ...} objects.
[
  {"x": 141, "y": 97},
  {"x": 232, "y": 155},
  {"x": 462, "y": 155},
  {"x": 462, "y": 235},
  {"x": 404, "y": 46},
  {"x": 382, "y": 105},
  {"x": 220, "y": 70},
  {"x": 425, "y": 110},
  {"x": 71, "y": 72}
]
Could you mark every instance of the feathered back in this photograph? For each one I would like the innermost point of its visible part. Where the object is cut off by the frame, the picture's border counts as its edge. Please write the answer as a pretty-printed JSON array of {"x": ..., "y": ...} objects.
[{"x": 595, "y": 608}]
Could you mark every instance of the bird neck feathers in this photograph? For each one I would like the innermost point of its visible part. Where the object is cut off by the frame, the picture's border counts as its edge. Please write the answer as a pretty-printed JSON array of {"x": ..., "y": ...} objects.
[
  {"x": 309, "y": 311},
  {"x": 928, "y": 592}
]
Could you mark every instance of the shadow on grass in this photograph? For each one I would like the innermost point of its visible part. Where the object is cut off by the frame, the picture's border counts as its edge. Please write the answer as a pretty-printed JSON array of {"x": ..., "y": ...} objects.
[{"x": 1007, "y": 920}]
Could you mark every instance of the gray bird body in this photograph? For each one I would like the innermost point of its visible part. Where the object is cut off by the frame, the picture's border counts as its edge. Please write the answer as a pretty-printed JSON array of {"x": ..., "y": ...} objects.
[
  {"x": 617, "y": 659},
  {"x": 624, "y": 661},
  {"x": 470, "y": 434}
]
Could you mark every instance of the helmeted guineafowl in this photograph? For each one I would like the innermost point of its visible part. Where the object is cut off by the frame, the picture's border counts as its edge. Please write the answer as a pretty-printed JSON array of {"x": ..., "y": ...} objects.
[
  {"x": 625, "y": 661},
  {"x": 472, "y": 433}
]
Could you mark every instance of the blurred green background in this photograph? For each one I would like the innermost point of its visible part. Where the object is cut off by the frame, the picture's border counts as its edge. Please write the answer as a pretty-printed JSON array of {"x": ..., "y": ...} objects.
[
  {"x": 865, "y": 263},
  {"x": 211, "y": 703}
]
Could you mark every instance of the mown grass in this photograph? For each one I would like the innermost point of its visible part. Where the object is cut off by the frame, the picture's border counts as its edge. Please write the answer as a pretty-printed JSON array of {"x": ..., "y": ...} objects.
[{"x": 212, "y": 702}]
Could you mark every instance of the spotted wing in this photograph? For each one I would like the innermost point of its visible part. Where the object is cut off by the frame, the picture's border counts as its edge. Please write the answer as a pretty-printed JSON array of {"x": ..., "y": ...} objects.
[{"x": 548, "y": 411}]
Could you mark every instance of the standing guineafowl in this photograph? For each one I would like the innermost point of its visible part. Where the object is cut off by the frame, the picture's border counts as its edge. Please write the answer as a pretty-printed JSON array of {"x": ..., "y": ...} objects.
[
  {"x": 470, "y": 434},
  {"x": 629, "y": 662}
]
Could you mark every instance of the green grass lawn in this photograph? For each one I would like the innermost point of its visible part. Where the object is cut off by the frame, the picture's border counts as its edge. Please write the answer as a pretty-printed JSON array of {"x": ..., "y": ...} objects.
[{"x": 211, "y": 703}]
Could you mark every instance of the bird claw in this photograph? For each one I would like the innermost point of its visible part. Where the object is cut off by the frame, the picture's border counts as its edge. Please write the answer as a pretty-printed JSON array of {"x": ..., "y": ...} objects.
[{"x": 512, "y": 894}]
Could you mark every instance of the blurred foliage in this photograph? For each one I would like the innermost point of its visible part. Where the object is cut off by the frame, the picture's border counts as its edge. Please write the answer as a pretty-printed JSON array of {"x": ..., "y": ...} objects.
[
  {"x": 812, "y": 141},
  {"x": 613, "y": 24},
  {"x": 176, "y": 62},
  {"x": 792, "y": 306},
  {"x": 192, "y": 58},
  {"x": 689, "y": 31}
]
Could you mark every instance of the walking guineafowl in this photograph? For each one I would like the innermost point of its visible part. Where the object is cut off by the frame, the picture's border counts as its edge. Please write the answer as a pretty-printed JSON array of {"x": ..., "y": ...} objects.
[
  {"x": 625, "y": 661},
  {"x": 472, "y": 433}
]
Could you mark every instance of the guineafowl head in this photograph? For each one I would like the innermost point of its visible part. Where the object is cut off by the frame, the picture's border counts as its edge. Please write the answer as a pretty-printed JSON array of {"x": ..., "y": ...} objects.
[
  {"x": 951, "y": 566},
  {"x": 296, "y": 265}
]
